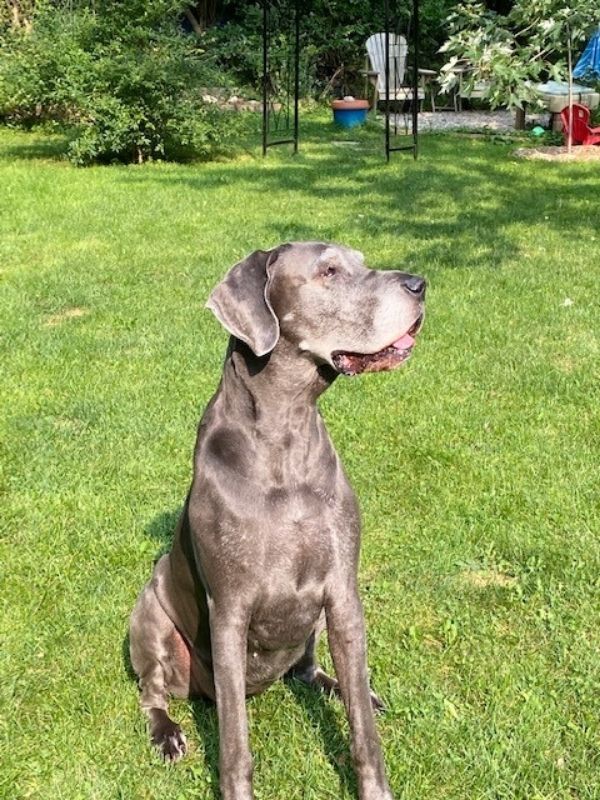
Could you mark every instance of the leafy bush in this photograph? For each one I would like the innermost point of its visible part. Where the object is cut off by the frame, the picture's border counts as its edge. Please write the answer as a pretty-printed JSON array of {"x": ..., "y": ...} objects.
[
  {"x": 43, "y": 70},
  {"x": 128, "y": 87}
]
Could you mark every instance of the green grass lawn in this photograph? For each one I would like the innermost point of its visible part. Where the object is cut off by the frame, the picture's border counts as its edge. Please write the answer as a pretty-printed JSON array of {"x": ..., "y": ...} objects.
[{"x": 476, "y": 465}]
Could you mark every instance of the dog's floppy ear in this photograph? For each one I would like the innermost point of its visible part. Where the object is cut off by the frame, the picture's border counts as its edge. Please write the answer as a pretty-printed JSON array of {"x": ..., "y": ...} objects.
[{"x": 241, "y": 303}]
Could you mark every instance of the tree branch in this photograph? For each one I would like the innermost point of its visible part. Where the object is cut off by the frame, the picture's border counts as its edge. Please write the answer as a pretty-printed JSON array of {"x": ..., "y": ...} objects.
[{"x": 197, "y": 28}]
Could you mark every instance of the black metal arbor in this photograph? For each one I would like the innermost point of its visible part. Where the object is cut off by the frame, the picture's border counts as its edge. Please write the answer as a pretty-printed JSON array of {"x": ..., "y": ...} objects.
[{"x": 281, "y": 74}]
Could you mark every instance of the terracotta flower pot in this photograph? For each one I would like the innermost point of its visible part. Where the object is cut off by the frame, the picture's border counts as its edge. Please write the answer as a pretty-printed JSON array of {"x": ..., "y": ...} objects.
[{"x": 349, "y": 112}]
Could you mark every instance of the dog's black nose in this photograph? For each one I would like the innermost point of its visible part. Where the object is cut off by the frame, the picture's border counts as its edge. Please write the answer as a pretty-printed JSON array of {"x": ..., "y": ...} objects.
[{"x": 415, "y": 285}]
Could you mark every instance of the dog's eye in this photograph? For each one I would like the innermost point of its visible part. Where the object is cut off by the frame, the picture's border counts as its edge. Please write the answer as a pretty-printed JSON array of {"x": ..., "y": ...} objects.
[{"x": 329, "y": 272}]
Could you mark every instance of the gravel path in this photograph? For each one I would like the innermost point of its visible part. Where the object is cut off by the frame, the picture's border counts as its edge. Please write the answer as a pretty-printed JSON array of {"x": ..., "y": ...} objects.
[{"x": 501, "y": 121}]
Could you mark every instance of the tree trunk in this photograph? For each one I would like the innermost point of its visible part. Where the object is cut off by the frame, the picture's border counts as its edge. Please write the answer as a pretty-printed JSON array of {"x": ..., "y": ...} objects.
[
  {"x": 520, "y": 119},
  {"x": 207, "y": 12},
  {"x": 196, "y": 26},
  {"x": 570, "y": 66},
  {"x": 201, "y": 15}
]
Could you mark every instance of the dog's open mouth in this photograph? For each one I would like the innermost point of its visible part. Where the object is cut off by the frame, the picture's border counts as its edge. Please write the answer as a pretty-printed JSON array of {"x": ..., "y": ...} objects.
[{"x": 390, "y": 357}]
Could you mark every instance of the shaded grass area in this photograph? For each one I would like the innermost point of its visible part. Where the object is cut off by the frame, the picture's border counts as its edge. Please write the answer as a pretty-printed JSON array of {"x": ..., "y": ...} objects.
[{"x": 476, "y": 465}]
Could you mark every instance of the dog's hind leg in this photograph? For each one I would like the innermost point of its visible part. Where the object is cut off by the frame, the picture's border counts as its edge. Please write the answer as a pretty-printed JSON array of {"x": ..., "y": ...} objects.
[
  {"x": 307, "y": 670},
  {"x": 160, "y": 659}
]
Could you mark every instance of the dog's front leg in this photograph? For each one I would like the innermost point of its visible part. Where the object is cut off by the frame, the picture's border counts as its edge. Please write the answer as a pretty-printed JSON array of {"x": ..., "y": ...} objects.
[
  {"x": 228, "y": 631},
  {"x": 346, "y": 634}
]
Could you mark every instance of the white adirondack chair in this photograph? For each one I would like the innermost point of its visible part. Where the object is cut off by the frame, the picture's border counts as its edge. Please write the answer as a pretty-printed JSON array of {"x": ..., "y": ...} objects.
[{"x": 399, "y": 89}]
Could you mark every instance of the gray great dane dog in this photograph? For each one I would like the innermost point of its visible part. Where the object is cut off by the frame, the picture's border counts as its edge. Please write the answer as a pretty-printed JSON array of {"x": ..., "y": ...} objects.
[{"x": 265, "y": 554}]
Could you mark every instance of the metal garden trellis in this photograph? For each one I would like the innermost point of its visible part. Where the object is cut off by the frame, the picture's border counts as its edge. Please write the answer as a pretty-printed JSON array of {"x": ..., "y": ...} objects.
[
  {"x": 390, "y": 147},
  {"x": 278, "y": 120},
  {"x": 280, "y": 103}
]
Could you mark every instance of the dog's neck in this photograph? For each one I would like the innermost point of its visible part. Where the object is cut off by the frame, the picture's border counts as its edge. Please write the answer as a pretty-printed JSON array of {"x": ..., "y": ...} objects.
[{"x": 283, "y": 380}]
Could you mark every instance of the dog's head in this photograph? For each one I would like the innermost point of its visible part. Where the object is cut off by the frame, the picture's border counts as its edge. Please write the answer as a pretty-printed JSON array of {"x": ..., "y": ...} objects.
[{"x": 326, "y": 302}]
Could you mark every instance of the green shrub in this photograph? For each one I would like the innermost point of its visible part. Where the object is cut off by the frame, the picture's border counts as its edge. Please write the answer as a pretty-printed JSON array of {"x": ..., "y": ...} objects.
[
  {"x": 128, "y": 89},
  {"x": 43, "y": 70}
]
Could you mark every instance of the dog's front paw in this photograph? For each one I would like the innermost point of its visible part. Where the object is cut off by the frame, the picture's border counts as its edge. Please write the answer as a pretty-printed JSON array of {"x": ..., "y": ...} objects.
[{"x": 169, "y": 740}]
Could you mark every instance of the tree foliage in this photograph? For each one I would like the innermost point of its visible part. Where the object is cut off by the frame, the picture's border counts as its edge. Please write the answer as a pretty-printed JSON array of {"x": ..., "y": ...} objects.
[{"x": 512, "y": 52}]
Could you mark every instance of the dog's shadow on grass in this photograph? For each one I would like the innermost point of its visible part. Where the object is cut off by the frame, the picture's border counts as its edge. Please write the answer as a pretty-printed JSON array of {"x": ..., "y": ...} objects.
[
  {"x": 319, "y": 710},
  {"x": 321, "y": 715},
  {"x": 162, "y": 529},
  {"x": 316, "y": 705},
  {"x": 207, "y": 728}
]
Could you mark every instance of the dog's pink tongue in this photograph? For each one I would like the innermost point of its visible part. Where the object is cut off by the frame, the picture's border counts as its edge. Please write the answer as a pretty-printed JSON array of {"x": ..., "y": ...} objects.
[{"x": 404, "y": 342}]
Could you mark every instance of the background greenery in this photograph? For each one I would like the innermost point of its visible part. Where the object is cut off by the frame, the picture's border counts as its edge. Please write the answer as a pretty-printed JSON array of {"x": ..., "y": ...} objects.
[
  {"x": 128, "y": 80},
  {"x": 476, "y": 464},
  {"x": 147, "y": 79}
]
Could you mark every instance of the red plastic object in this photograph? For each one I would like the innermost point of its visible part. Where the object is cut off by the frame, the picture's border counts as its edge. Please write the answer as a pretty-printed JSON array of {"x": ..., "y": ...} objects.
[{"x": 582, "y": 133}]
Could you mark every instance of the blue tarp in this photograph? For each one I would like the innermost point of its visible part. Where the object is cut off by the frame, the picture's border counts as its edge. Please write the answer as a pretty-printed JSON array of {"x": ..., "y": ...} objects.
[{"x": 588, "y": 65}]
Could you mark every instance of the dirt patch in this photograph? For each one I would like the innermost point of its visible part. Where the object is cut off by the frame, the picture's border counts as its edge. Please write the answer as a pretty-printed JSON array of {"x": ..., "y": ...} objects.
[
  {"x": 560, "y": 153},
  {"x": 432, "y": 642},
  {"x": 63, "y": 316},
  {"x": 483, "y": 578}
]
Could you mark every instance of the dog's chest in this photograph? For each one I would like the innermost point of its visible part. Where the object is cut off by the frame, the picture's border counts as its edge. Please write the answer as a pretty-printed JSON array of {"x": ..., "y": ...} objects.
[
  {"x": 287, "y": 604},
  {"x": 298, "y": 552},
  {"x": 284, "y": 620},
  {"x": 303, "y": 525}
]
